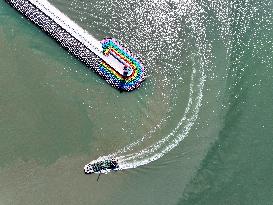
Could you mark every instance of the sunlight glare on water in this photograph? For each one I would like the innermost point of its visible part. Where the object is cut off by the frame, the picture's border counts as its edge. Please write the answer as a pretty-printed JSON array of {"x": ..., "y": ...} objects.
[{"x": 197, "y": 131}]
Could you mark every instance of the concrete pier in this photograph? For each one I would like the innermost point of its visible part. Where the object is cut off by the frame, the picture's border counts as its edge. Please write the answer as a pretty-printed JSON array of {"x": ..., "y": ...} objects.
[{"x": 112, "y": 67}]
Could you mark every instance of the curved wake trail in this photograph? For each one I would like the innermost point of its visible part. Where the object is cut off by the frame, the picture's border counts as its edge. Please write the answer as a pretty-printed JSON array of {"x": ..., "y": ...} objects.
[
  {"x": 166, "y": 144},
  {"x": 130, "y": 156}
]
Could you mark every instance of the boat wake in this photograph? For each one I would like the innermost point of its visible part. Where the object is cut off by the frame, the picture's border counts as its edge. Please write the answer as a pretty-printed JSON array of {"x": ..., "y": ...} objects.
[
  {"x": 168, "y": 22},
  {"x": 164, "y": 145}
]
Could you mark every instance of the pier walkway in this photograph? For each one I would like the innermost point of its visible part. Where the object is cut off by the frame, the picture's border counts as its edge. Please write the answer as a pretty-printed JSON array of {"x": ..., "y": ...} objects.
[
  {"x": 77, "y": 32},
  {"x": 108, "y": 58}
]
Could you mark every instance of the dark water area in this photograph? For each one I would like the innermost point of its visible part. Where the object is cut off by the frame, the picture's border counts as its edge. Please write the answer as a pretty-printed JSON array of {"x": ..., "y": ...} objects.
[
  {"x": 198, "y": 131},
  {"x": 238, "y": 167}
]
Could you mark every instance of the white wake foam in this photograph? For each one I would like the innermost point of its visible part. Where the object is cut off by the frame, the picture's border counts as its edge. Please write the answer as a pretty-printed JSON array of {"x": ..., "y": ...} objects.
[{"x": 130, "y": 156}]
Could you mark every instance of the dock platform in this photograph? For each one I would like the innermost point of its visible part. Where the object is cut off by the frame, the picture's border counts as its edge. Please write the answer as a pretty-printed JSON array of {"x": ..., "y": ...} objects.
[{"x": 108, "y": 58}]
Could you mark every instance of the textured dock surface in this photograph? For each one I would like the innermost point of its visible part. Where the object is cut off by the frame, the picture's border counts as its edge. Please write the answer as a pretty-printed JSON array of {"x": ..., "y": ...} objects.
[{"x": 83, "y": 45}]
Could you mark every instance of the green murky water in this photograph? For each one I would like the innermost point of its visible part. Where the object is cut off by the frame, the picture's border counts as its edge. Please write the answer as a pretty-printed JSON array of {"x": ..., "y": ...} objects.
[{"x": 209, "y": 88}]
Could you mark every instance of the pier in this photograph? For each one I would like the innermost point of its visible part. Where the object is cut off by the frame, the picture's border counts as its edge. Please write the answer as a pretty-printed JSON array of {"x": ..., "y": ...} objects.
[{"x": 108, "y": 58}]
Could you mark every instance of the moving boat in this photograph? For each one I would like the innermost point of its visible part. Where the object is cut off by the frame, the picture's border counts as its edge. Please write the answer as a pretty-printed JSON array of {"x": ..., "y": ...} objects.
[{"x": 103, "y": 167}]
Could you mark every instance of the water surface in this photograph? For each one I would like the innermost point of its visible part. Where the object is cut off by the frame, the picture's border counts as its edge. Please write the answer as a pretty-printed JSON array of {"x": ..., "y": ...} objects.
[{"x": 209, "y": 94}]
